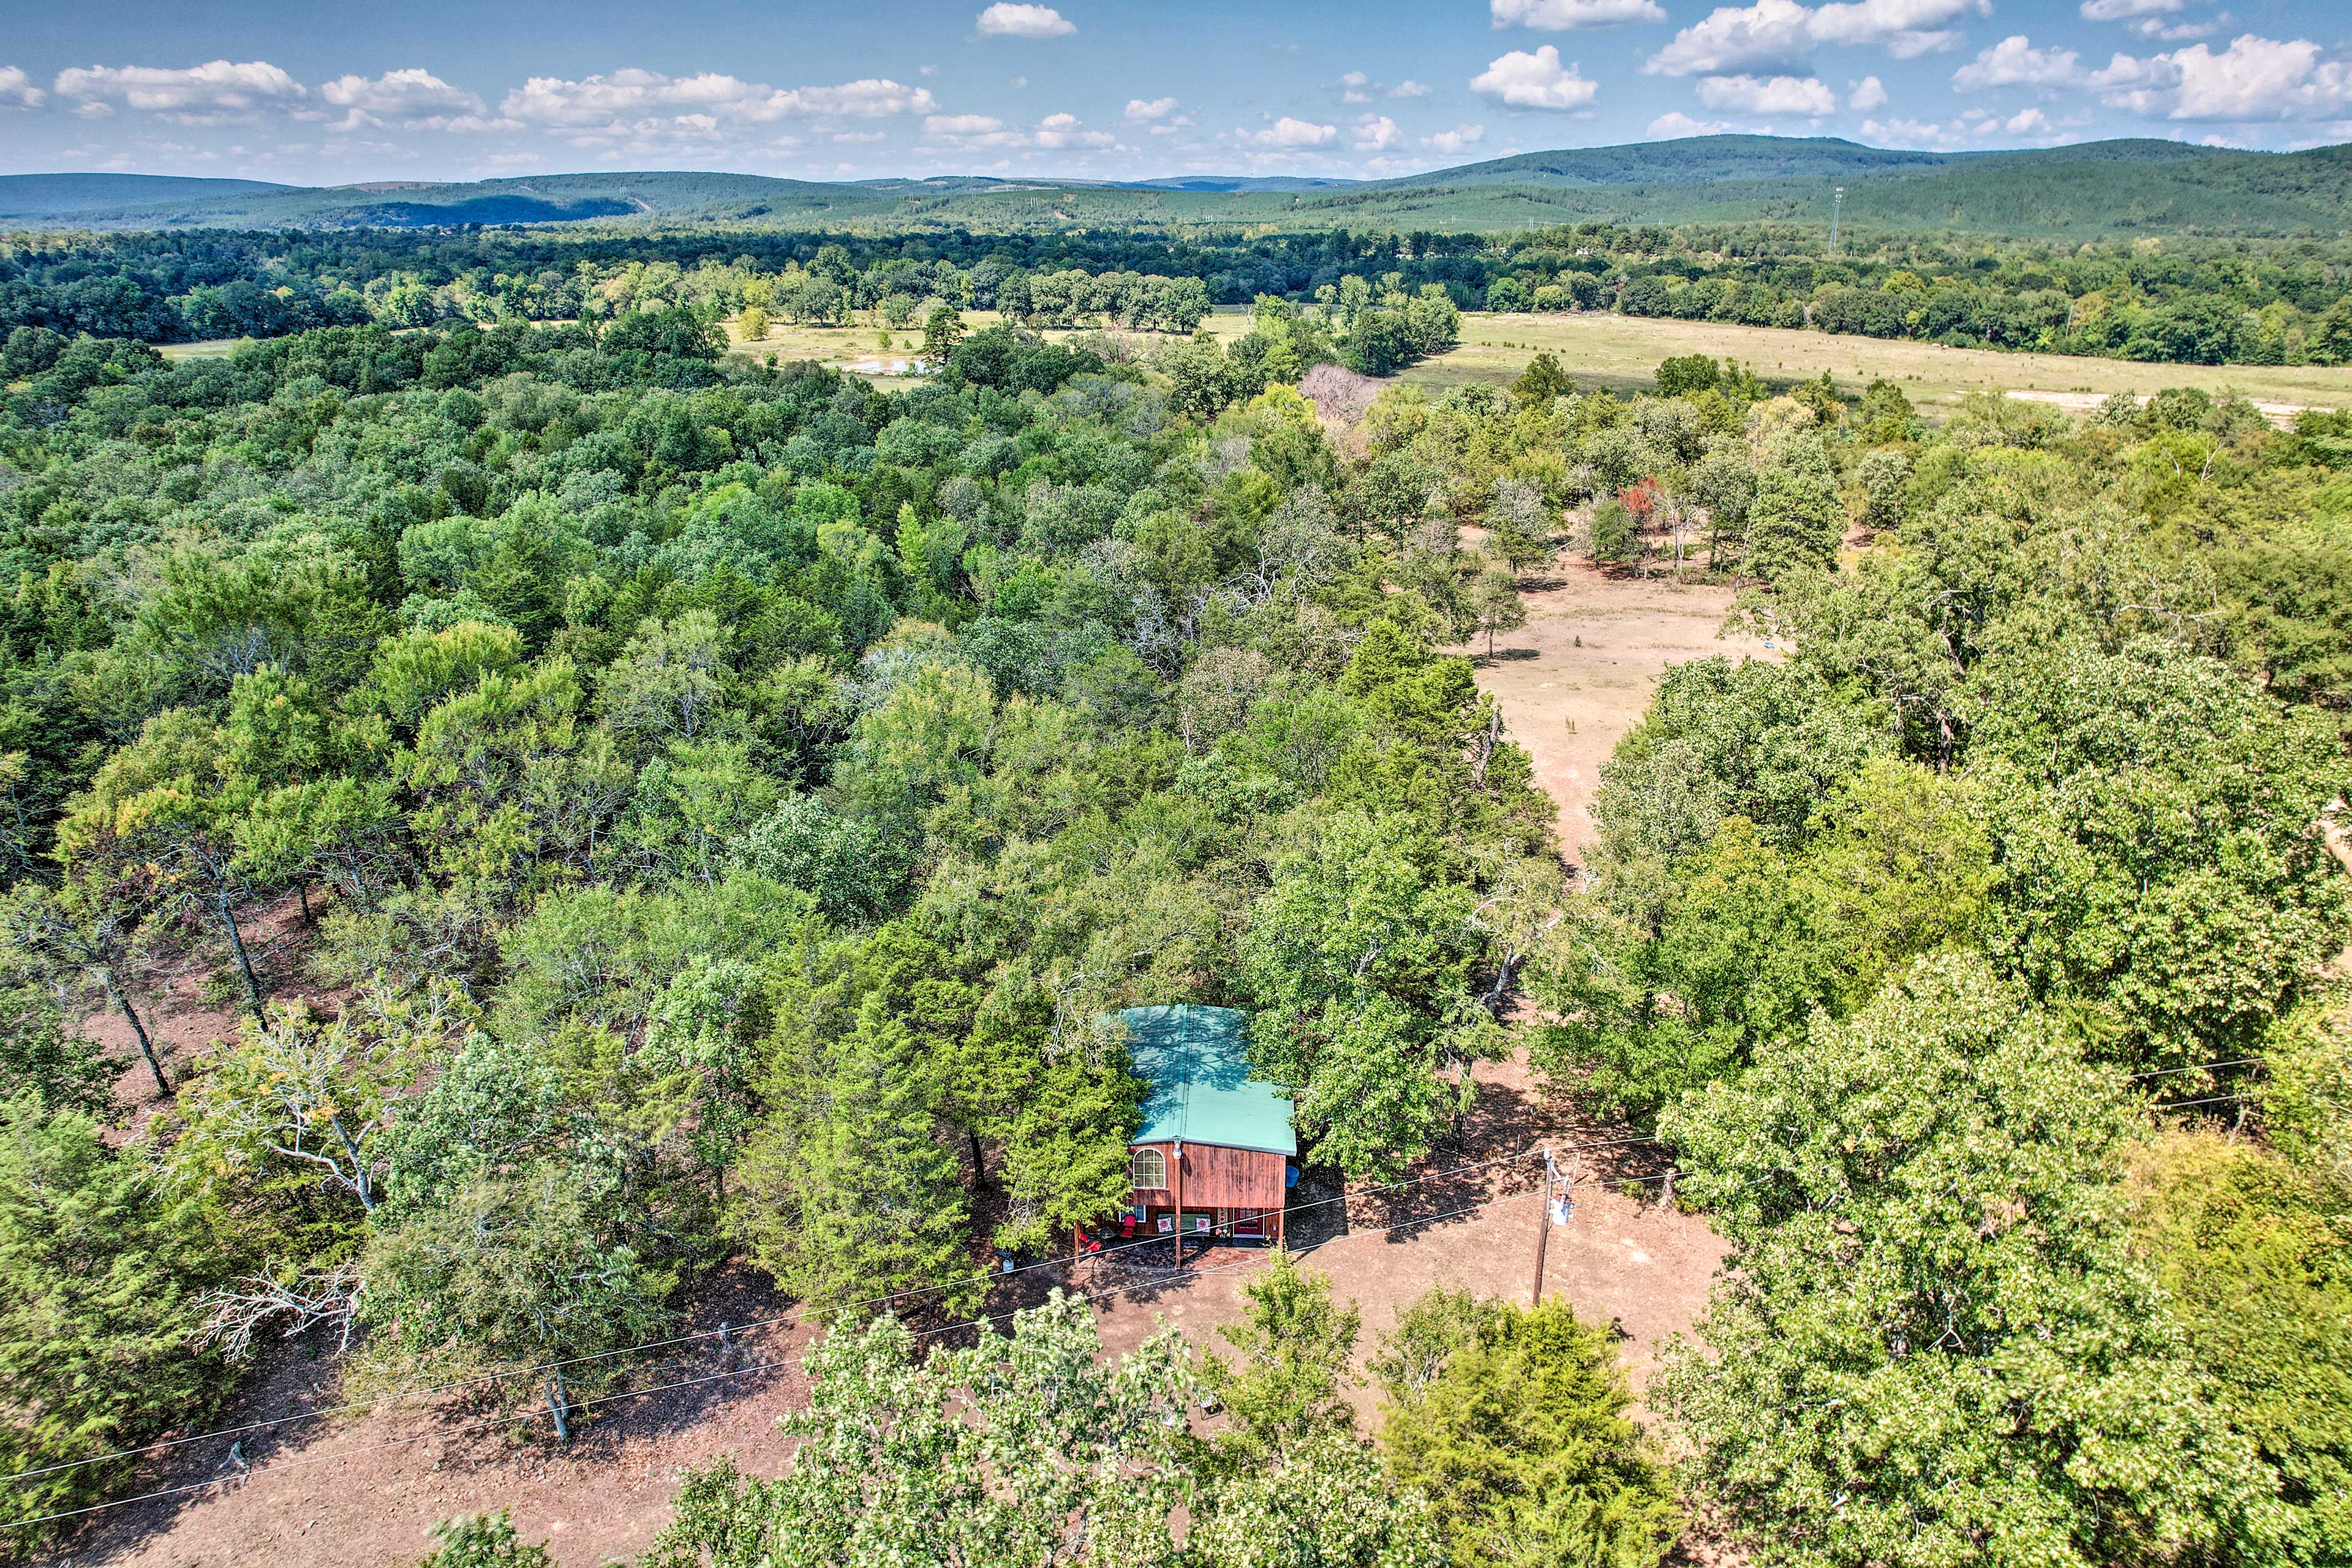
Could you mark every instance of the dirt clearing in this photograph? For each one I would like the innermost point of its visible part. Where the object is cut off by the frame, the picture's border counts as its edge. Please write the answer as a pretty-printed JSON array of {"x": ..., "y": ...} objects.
[{"x": 1580, "y": 673}]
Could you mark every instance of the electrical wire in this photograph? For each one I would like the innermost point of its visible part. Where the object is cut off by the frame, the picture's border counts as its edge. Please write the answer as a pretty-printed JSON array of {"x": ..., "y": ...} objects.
[
  {"x": 733, "y": 1372},
  {"x": 2201, "y": 1066},
  {"x": 887, "y": 1300},
  {"x": 912, "y": 1294}
]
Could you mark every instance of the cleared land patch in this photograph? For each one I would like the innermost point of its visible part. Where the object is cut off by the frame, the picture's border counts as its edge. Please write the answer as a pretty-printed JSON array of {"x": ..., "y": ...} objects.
[{"x": 1601, "y": 349}]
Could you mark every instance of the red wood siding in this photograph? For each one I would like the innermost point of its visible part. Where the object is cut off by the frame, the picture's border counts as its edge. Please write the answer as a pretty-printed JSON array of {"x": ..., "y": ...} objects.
[{"x": 1217, "y": 1177}]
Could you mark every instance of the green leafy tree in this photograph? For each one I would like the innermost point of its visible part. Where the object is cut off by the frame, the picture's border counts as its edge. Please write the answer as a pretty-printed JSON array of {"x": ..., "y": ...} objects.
[
  {"x": 1031, "y": 1448},
  {"x": 103, "y": 1266},
  {"x": 1494, "y": 600},
  {"x": 514, "y": 791},
  {"x": 1544, "y": 379},
  {"x": 1615, "y": 537},
  {"x": 1362, "y": 958},
  {"x": 1024, "y": 1448},
  {"x": 1687, "y": 375},
  {"x": 1935, "y": 1341},
  {"x": 2254, "y": 1257},
  {"x": 483, "y": 1540},
  {"x": 1284, "y": 1387},
  {"x": 942, "y": 330},
  {"x": 850, "y": 1193},
  {"x": 81, "y": 936},
  {"x": 156, "y": 831},
  {"x": 511, "y": 1274},
  {"x": 1324, "y": 1503},
  {"x": 1513, "y": 1423},
  {"x": 2305, "y": 1090},
  {"x": 1797, "y": 520},
  {"x": 300, "y": 1101},
  {"x": 42, "y": 1056},
  {"x": 2159, "y": 842}
]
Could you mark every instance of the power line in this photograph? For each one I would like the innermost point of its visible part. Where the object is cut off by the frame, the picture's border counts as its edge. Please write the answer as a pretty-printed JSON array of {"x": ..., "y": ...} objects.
[
  {"x": 2210, "y": 1099},
  {"x": 535, "y": 1413},
  {"x": 911, "y": 1294},
  {"x": 2201, "y": 1066}
]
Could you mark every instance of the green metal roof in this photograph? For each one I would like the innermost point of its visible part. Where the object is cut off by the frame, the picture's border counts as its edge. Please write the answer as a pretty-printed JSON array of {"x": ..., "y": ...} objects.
[{"x": 1196, "y": 1060}]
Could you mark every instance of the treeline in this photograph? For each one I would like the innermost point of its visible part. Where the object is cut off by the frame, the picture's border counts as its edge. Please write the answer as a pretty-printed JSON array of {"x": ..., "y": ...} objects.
[
  {"x": 171, "y": 287},
  {"x": 2180, "y": 300}
]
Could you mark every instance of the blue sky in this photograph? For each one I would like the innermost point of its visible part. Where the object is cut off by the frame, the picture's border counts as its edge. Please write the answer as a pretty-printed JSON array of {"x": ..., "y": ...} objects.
[{"x": 1124, "y": 89}]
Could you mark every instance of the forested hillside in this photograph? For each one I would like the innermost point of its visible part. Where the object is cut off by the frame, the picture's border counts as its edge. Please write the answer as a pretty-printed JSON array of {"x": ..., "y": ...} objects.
[
  {"x": 2088, "y": 190},
  {"x": 646, "y": 808}
]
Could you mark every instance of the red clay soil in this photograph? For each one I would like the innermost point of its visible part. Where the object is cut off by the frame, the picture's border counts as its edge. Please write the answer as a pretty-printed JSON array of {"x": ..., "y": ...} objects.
[
  {"x": 184, "y": 1026},
  {"x": 364, "y": 1490}
]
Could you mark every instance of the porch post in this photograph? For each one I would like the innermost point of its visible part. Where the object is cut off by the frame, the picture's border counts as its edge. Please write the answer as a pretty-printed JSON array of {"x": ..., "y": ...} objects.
[{"x": 1176, "y": 1187}]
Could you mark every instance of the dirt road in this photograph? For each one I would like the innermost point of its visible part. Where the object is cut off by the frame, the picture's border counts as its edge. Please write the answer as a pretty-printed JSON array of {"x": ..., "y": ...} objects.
[{"x": 1580, "y": 673}]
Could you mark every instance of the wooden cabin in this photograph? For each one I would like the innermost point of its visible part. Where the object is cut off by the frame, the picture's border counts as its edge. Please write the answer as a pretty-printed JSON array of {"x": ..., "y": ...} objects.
[{"x": 1213, "y": 1155}]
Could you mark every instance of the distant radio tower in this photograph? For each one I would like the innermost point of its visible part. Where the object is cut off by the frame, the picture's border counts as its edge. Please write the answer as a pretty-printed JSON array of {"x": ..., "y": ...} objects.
[{"x": 1836, "y": 207}]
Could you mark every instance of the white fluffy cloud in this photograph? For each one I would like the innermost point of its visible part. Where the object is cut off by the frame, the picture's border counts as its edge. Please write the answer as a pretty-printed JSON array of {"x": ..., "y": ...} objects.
[
  {"x": 1868, "y": 93},
  {"x": 1537, "y": 80},
  {"x": 1373, "y": 133},
  {"x": 1358, "y": 88},
  {"x": 1455, "y": 141},
  {"x": 1568, "y": 16},
  {"x": 957, "y": 125},
  {"x": 2258, "y": 78},
  {"x": 2015, "y": 62},
  {"x": 2123, "y": 10},
  {"x": 16, "y": 88},
  {"x": 1773, "y": 95},
  {"x": 1069, "y": 131},
  {"x": 1784, "y": 33},
  {"x": 1975, "y": 128},
  {"x": 643, "y": 100},
  {"x": 1675, "y": 123},
  {"x": 970, "y": 132},
  {"x": 1005, "y": 20},
  {"x": 216, "y": 91},
  {"x": 1149, "y": 110},
  {"x": 2253, "y": 78},
  {"x": 417, "y": 99},
  {"x": 1288, "y": 132}
]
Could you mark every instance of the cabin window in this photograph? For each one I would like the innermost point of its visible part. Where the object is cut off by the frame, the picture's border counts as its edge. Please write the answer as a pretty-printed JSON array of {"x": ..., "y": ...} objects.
[{"x": 1148, "y": 1169}]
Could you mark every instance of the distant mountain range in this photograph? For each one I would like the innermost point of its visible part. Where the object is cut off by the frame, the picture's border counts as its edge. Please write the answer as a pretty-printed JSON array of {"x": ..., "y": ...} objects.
[{"x": 2092, "y": 188}]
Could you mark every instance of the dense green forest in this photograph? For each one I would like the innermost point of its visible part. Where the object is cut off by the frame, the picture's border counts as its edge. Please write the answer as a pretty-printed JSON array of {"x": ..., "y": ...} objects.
[
  {"x": 648, "y": 808},
  {"x": 2186, "y": 300}
]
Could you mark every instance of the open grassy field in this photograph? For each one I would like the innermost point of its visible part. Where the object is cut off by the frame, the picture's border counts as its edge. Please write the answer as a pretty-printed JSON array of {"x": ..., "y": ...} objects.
[
  {"x": 211, "y": 348},
  {"x": 1622, "y": 351}
]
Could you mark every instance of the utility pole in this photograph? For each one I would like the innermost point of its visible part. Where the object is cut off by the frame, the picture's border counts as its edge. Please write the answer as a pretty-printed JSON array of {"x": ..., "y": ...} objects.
[
  {"x": 1543, "y": 1231},
  {"x": 1837, "y": 208},
  {"x": 1177, "y": 1194}
]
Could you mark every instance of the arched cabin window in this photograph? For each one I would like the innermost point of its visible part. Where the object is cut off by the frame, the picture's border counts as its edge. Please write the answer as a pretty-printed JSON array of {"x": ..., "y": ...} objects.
[{"x": 1148, "y": 1168}]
